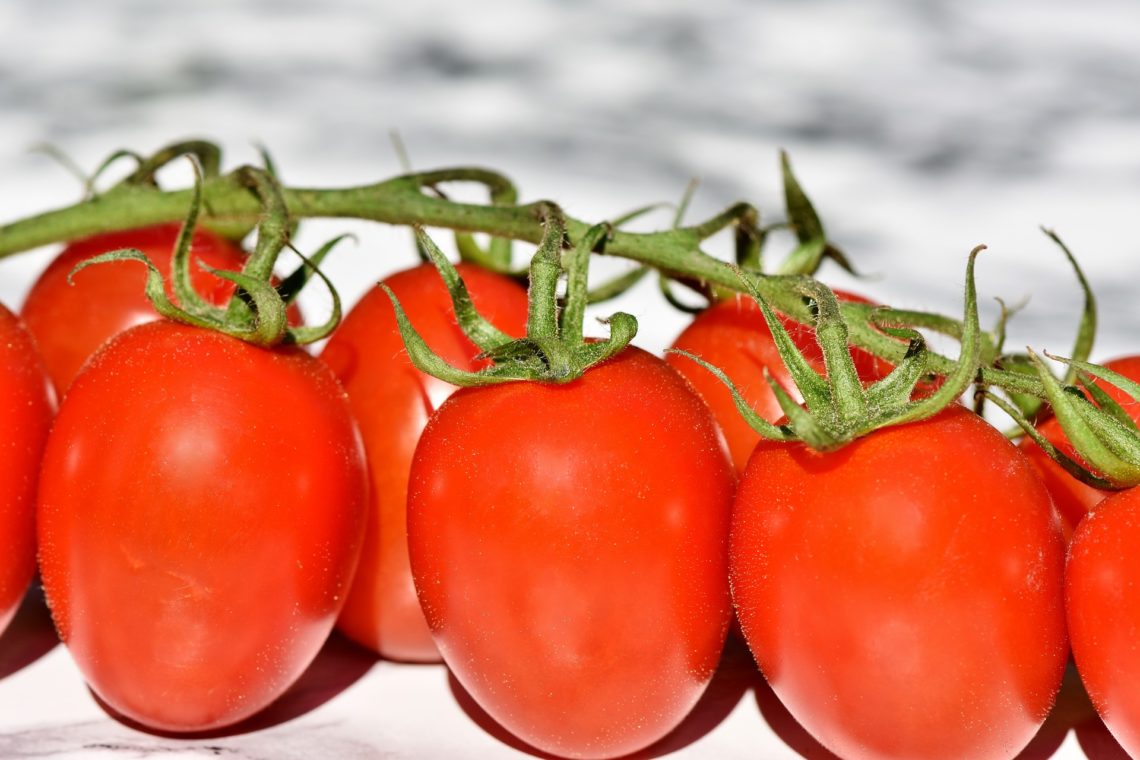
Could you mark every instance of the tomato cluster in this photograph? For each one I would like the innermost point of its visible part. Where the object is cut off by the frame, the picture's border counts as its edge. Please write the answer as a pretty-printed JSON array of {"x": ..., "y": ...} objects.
[{"x": 207, "y": 510}]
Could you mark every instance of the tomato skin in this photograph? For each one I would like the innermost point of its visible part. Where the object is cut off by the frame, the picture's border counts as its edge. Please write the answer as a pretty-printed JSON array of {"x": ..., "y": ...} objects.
[
  {"x": 733, "y": 336},
  {"x": 391, "y": 401},
  {"x": 25, "y": 415},
  {"x": 1101, "y": 578},
  {"x": 71, "y": 322},
  {"x": 903, "y": 595},
  {"x": 201, "y": 509},
  {"x": 568, "y": 545},
  {"x": 1072, "y": 498}
]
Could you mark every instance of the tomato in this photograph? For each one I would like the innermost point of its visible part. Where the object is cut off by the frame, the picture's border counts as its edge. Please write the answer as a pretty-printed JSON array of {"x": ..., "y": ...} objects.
[
  {"x": 733, "y": 336},
  {"x": 25, "y": 415},
  {"x": 1101, "y": 578},
  {"x": 201, "y": 510},
  {"x": 70, "y": 322},
  {"x": 903, "y": 595},
  {"x": 569, "y": 548},
  {"x": 1072, "y": 498},
  {"x": 392, "y": 400}
]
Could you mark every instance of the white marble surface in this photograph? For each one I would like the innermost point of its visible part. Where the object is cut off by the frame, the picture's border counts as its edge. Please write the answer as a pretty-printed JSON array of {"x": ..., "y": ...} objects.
[{"x": 919, "y": 128}]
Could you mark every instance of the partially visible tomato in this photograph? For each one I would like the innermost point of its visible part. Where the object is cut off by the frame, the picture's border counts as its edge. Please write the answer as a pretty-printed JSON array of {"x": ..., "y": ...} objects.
[
  {"x": 1072, "y": 498},
  {"x": 25, "y": 415},
  {"x": 568, "y": 544},
  {"x": 1101, "y": 578},
  {"x": 392, "y": 401},
  {"x": 903, "y": 595},
  {"x": 201, "y": 510},
  {"x": 733, "y": 336},
  {"x": 70, "y": 322}
]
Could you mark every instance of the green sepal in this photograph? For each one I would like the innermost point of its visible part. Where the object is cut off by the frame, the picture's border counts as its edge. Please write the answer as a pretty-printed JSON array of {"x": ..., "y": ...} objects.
[
  {"x": 623, "y": 328},
  {"x": 312, "y": 265},
  {"x": 1086, "y": 328},
  {"x": 665, "y": 285},
  {"x": 184, "y": 290},
  {"x": 848, "y": 398},
  {"x": 815, "y": 390},
  {"x": 1109, "y": 448},
  {"x": 803, "y": 423},
  {"x": 155, "y": 288},
  {"x": 269, "y": 322},
  {"x": 577, "y": 266},
  {"x": 1070, "y": 465},
  {"x": 429, "y": 361},
  {"x": 969, "y": 358},
  {"x": 1129, "y": 386},
  {"x": 1105, "y": 402},
  {"x": 894, "y": 391},
  {"x": 481, "y": 332},
  {"x": 762, "y": 426}
]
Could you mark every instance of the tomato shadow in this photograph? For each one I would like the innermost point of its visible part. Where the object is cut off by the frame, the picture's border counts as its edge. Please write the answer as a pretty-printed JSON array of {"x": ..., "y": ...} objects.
[
  {"x": 734, "y": 675},
  {"x": 786, "y": 727},
  {"x": 338, "y": 665},
  {"x": 29, "y": 636}
]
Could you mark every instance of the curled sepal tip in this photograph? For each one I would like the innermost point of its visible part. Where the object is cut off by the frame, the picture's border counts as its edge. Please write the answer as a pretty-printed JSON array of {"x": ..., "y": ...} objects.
[
  {"x": 1110, "y": 447},
  {"x": 155, "y": 286}
]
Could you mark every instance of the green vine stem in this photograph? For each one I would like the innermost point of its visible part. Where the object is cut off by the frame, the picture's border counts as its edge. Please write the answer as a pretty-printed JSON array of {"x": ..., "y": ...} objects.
[{"x": 229, "y": 207}]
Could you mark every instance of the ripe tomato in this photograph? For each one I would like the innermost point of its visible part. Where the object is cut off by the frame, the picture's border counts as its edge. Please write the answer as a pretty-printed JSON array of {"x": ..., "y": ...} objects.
[
  {"x": 69, "y": 323},
  {"x": 903, "y": 595},
  {"x": 1072, "y": 498},
  {"x": 1101, "y": 577},
  {"x": 391, "y": 401},
  {"x": 25, "y": 415},
  {"x": 568, "y": 544},
  {"x": 201, "y": 510},
  {"x": 733, "y": 336}
]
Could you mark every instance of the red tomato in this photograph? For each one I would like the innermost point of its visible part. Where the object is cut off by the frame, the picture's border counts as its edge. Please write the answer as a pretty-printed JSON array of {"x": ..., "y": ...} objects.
[
  {"x": 392, "y": 400},
  {"x": 568, "y": 544},
  {"x": 903, "y": 595},
  {"x": 1101, "y": 579},
  {"x": 733, "y": 336},
  {"x": 1072, "y": 498},
  {"x": 70, "y": 322},
  {"x": 25, "y": 415},
  {"x": 201, "y": 510}
]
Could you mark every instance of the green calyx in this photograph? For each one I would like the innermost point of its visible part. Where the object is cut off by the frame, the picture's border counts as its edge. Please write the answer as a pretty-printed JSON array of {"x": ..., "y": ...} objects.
[
  {"x": 256, "y": 313},
  {"x": 555, "y": 349},
  {"x": 837, "y": 408},
  {"x": 1101, "y": 431}
]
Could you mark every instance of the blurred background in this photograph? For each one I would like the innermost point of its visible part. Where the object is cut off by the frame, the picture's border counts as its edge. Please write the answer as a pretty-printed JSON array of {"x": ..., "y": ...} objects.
[{"x": 920, "y": 129}]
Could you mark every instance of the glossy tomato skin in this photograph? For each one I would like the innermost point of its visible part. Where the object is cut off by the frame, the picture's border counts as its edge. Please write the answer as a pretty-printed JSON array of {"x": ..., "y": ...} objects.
[
  {"x": 1101, "y": 578},
  {"x": 1072, "y": 498},
  {"x": 391, "y": 401},
  {"x": 70, "y": 322},
  {"x": 201, "y": 510},
  {"x": 903, "y": 595},
  {"x": 25, "y": 415},
  {"x": 733, "y": 336},
  {"x": 568, "y": 544}
]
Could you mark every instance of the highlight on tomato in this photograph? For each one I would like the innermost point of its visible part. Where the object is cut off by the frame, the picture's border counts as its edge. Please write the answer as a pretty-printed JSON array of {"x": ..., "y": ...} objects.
[
  {"x": 392, "y": 401},
  {"x": 71, "y": 319},
  {"x": 567, "y": 522},
  {"x": 202, "y": 502},
  {"x": 26, "y": 407},
  {"x": 1101, "y": 576}
]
